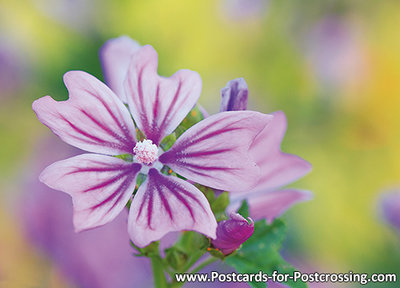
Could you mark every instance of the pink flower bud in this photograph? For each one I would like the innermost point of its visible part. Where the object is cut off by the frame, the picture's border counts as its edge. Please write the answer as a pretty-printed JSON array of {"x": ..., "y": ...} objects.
[{"x": 232, "y": 233}]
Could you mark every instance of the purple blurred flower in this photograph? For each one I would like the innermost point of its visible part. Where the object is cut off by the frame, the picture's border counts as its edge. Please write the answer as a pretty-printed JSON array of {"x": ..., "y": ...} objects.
[
  {"x": 232, "y": 233},
  {"x": 240, "y": 10},
  {"x": 76, "y": 14},
  {"x": 390, "y": 205},
  {"x": 335, "y": 52},
  {"x": 277, "y": 168},
  {"x": 100, "y": 258},
  {"x": 13, "y": 69},
  {"x": 213, "y": 152}
]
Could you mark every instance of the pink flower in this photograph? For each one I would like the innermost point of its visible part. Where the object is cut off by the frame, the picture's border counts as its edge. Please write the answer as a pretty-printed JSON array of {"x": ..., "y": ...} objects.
[
  {"x": 213, "y": 152},
  {"x": 277, "y": 168},
  {"x": 232, "y": 233}
]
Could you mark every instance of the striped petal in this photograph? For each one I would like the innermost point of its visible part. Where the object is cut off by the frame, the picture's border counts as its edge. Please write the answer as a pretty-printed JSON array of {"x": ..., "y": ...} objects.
[
  {"x": 92, "y": 119},
  {"x": 277, "y": 168},
  {"x": 214, "y": 152},
  {"x": 100, "y": 186},
  {"x": 164, "y": 204},
  {"x": 272, "y": 204},
  {"x": 159, "y": 104},
  {"x": 115, "y": 56}
]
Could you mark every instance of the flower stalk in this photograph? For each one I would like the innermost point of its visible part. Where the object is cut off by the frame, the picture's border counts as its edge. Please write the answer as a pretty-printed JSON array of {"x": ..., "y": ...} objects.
[{"x": 160, "y": 281}]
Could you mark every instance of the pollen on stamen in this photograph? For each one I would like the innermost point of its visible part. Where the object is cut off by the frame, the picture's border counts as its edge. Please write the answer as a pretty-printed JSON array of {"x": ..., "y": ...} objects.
[{"x": 145, "y": 152}]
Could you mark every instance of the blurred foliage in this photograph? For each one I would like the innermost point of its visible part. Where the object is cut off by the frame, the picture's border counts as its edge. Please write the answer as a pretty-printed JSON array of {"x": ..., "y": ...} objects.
[{"x": 349, "y": 129}]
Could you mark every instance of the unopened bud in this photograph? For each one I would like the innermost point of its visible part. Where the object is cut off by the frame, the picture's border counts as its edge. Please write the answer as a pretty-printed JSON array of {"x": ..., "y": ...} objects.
[{"x": 232, "y": 233}]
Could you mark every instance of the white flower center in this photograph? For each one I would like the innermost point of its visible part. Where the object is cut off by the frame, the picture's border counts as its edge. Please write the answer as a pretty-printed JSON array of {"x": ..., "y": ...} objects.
[{"x": 145, "y": 152}]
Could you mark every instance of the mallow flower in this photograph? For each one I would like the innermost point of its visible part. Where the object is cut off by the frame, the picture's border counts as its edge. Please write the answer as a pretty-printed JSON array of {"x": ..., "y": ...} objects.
[
  {"x": 277, "y": 168},
  {"x": 213, "y": 152}
]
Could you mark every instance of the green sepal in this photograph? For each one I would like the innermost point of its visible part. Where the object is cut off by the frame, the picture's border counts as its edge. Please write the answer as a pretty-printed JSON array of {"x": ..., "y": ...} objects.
[
  {"x": 150, "y": 250},
  {"x": 140, "y": 135},
  {"x": 168, "y": 141},
  {"x": 207, "y": 191},
  {"x": 128, "y": 204},
  {"x": 216, "y": 253},
  {"x": 244, "y": 209},
  {"x": 140, "y": 179},
  {"x": 167, "y": 171},
  {"x": 261, "y": 252},
  {"x": 187, "y": 250},
  {"x": 176, "y": 258},
  {"x": 191, "y": 242},
  {"x": 219, "y": 205},
  {"x": 125, "y": 157},
  {"x": 193, "y": 117}
]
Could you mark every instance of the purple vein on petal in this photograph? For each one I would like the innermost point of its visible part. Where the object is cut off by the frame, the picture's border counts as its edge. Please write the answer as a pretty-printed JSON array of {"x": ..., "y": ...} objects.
[
  {"x": 175, "y": 204},
  {"x": 156, "y": 108},
  {"x": 115, "y": 119},
  {"x": 120, "y": 188},
  {"x": 105, "y": 128},
  {"x": 166, "y": 121},
  {"x": 107, "y": 182},
  {"x": 141, "y": 98}
]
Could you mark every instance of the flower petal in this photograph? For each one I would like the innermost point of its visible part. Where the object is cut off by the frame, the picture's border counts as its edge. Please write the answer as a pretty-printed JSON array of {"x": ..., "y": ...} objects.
[
  {"x": 272, "y": 204},
  {"x": 277, "y": 168},
  {"x": 92, "y": 119},
  {"x": 115, "y": 56},
  {"x": 166, "y": 203},
  {"x": 159, "y": 104},
  {"x": 234, "y": 95},
  {"x": 215, "y": 151},
  {"x": 100, "y": 186}
]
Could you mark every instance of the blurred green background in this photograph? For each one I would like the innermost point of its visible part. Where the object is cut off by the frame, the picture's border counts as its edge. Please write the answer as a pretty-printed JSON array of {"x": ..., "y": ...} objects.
[{"x": 332, "y": 66}]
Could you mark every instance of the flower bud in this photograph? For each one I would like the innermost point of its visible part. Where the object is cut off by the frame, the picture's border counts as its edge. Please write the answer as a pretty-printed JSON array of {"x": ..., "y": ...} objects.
[
  {"x": 234, "y": 95},
  {"x": 232, "y": 233}
]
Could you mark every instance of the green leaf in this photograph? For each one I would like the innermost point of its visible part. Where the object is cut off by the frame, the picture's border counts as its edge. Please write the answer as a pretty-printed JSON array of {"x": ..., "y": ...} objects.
[
  {"x": 261, "y": 252},
  {"x": 244, "y": 209},
  {"x": 192, "y": 118}
]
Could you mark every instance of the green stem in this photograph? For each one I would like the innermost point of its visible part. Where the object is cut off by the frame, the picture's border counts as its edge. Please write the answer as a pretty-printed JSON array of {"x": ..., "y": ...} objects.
[
  {"x": 196, "y": 269},
  {"x": 158, "y": 272},
  {"x": 193, "y": 260},
  {"x": 204, "y": 264}
]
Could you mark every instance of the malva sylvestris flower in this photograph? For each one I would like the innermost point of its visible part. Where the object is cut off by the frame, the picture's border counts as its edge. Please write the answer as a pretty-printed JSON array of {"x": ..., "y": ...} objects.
[{"x": 213, "y": 152}]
